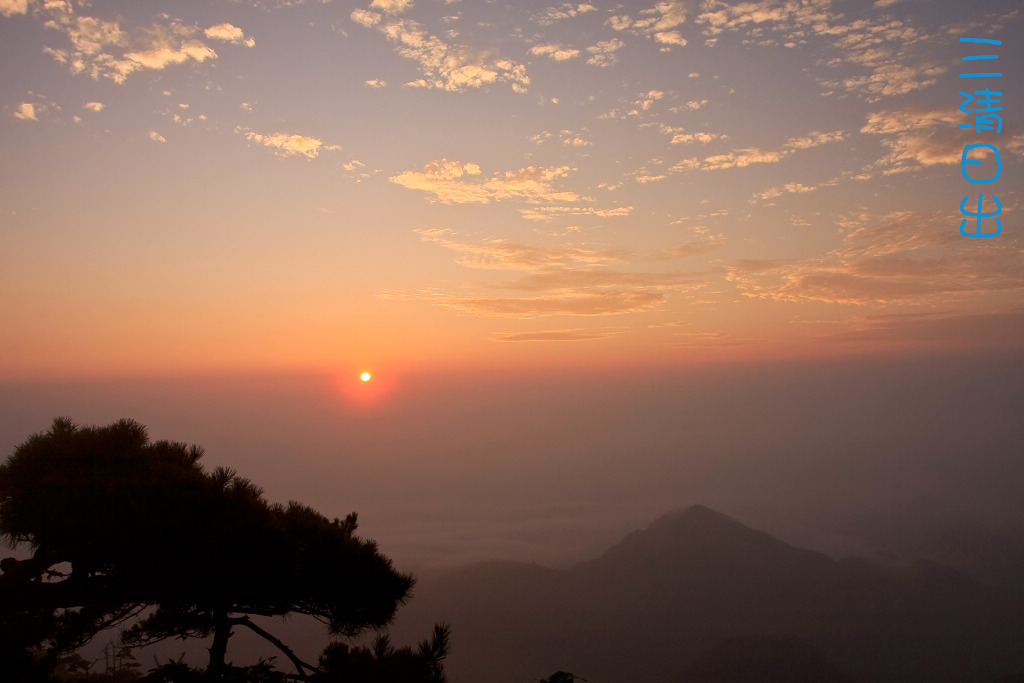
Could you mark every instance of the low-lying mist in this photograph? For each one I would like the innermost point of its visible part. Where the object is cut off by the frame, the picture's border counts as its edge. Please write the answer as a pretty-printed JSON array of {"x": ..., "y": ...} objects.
[{"x": 852, "y": 456}]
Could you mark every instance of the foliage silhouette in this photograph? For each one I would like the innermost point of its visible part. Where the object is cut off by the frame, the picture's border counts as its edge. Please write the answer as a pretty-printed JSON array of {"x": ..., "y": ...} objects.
[
  {"x": 382, "y": 663},
  {"x": 118, "y": 524},
  {"x": 561, "y": 677}
]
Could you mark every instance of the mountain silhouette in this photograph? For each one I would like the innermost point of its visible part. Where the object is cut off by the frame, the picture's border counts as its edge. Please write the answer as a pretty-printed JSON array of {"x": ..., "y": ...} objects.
[{"x": 662, "y": 598}]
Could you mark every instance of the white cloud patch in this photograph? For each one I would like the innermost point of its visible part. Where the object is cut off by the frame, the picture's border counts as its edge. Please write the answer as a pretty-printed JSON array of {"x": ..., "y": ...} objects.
[
  {"x": 788, "y": 188},
  {"x": 602, "y": 54},
  {"x": 365, "y": 17},
  {"x": 93, "y": 106},
  {"x": 26, "y": 111},
  {"x": 229, "y": 33},
  {"x": 555, "y": 52},
  {"x": 391, "y": 6},
  {"x": 162, "y": 56},
  {"x": 566, "y": 10},
  {"x": 681, "y": 137},
  {"x": 619, "y": 22},
  {"x": 645, "y": 102},
  {"x": 105, "y": 48},
  {"x": 575, "y": 139},
  {"x": 9, "y": 8},
  {"x": 289, "y": 144},
  {"x": 692, "y": 105},
  {"x": 156, "y": 137},
  {"x": 670, "y": 38},
  {"x": 657, "y": 23}
]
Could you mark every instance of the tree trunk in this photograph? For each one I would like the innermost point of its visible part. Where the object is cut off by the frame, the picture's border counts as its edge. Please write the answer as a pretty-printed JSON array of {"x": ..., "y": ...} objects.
[{"x": 219, "y": 647}]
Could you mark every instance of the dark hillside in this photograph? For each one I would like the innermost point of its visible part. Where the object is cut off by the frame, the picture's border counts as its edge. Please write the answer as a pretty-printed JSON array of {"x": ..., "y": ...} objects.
[{"x": 663, "y": 597}]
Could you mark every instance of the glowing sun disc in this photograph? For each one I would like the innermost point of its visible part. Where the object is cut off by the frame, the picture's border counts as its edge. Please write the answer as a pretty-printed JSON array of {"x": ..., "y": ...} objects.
[{"x": 365, "y": 377}]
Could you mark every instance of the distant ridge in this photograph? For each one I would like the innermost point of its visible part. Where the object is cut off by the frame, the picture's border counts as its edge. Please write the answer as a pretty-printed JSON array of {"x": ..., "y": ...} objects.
[
  {"x": 698, "y": 525},
  {"x": 656, "y": 602},
  {"x": 698, "y": 544},
  {"x": 694, "y": 515}
]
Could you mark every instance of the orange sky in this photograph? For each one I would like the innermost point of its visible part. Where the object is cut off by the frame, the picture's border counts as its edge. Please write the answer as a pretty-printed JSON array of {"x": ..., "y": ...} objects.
[{"x": 415, "y": 185}]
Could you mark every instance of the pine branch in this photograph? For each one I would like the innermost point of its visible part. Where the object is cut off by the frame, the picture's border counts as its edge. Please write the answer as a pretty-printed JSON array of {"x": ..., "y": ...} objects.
[{"x": 299, "y": 664}]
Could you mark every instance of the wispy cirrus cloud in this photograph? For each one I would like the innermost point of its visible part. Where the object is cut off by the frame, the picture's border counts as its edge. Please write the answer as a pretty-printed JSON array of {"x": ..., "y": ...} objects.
[
  {"x": 595, "y": 279},
  {"x": 445, "y": 65},
  {"x": 547, "y": 213},
  {"x": 503, "y": 255},
  {"x": 942, "y": 328},
  {"x": 788, "y": 188},
  {"x": 453, "y": 182},
  {"x": 635, "y": 107},
  {"x": 917, "y": 137},
  {"x": 574, "y": 334},
  {"x": 559, "y": 280},
  {"x": 525, "y": 308},
  {"x": 883, "y": 56},
  {"x": 748, "y": 156},
  {"x": 908, "y": 258}
]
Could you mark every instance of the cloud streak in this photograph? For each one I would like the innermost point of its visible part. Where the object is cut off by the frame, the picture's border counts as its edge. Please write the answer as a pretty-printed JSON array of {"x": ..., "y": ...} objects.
[
  {"x": 748, "y": 156},
  {"x": 585, "y": 304},
  {"x": 452, "y": 182},
  {"x": 905, "y": 258},
  {"x": 564, "y": 280},
  {"x": 570, "y": 335}
]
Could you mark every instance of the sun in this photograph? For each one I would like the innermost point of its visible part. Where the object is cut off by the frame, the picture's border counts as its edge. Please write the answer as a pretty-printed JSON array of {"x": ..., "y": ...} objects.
[{"x": 365, "y": 377}]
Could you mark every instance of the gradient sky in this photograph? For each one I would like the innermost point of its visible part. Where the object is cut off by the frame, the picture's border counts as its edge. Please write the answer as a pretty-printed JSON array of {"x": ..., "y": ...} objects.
[
  {"x": 409, "y": 184},
  {"x": 603, "y": 260}
]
